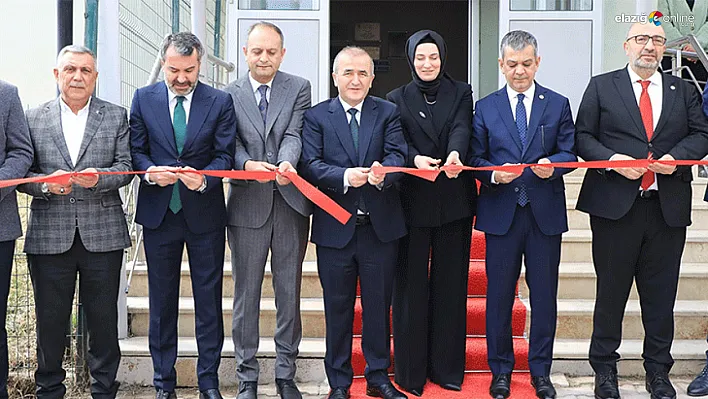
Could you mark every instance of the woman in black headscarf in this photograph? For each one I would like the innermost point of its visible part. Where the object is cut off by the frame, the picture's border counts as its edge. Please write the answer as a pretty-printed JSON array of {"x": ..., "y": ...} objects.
[{"x": 430, "y": 298}]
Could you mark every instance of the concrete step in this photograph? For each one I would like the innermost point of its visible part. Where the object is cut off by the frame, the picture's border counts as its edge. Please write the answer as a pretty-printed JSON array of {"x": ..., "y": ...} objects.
[
  {"x": 311, "y": 287},
  {"x": 310, "y": 253},
  {"x": 311, "y": 313},
  {"x": 574, "y": 181},
  {"x": 136, "y": 364},
  {"x": 570, "y": 357},
  {"x": 578, "y": 220},
  {"x": 575, "y": 319},
  {"x": 577, "y": 281},
  {"x": 576, "y": 246}
]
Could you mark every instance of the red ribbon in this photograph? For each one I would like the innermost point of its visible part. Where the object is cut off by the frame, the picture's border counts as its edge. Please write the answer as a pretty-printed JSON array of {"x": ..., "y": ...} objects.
[
  {"x": 335, "y": 210},
  {"x": 307, "y": 189}
]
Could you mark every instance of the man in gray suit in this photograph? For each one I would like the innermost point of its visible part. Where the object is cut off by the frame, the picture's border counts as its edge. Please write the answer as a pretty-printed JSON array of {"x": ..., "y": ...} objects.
[
  {"x": 15, "y": 158},
  {"x": 267, "y": 215},
  {"x": 78, "y": 227}
]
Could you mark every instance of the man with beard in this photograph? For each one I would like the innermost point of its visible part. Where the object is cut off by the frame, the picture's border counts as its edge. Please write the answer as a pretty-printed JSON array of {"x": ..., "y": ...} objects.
[
  {"x": 638, "y": 216},
  {"x": 176, "y": 126}
]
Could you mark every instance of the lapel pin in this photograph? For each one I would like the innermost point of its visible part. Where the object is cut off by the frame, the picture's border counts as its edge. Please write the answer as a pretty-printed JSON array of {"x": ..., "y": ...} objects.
[
  {"x": 541, "y": 97},
  {"x": 422, "y": 115},
  {"x": 672, "y": 87}
]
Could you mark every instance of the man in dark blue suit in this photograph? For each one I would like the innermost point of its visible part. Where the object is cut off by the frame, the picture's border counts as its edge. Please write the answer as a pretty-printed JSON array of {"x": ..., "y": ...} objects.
[
  {"x": 180, "y": 125},
  {"x": 522, "y": 214},
  {"x": 343, "y": 138}
]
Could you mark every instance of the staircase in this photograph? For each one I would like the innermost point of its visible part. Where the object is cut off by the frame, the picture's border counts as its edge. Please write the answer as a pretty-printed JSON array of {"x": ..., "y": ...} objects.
[{"x": 575, "y": 307}]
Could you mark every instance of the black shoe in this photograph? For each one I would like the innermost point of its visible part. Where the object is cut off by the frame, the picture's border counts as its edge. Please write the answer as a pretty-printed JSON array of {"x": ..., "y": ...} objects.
[
  {"x": 451, "y": 387},
  {"x": 659, "y": 386},
  {"x": 287, "y": 389},
  {"x": 414, "y": 391},
  {"x": 162, "y": 394},
  {"x": 500, "y": 388},
  {"x": 210, "y": 394},
  {"x": 544, "y": 387},
  {"x": 699, "y": 385},
  {"x": 247, "y": 390},
  {"x": 385, "y": 390},
  {"x": 338, "y": 393},
  {"x": 606, "y": 386}
]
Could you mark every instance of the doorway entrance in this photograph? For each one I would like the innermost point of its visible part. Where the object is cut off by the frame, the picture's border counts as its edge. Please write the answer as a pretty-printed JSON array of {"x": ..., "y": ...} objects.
[{"x": 382, "y": 28}]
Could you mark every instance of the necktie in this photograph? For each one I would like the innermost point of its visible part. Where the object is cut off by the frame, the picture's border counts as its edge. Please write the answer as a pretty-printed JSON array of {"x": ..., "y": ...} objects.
[
  {"x": 523, "y": 197},
  {"x": 263, "y": 104},
  {"x": 648, "y": 120},
  {"x": 354, "y": 129},
  {"x": 179, "y": 125}
]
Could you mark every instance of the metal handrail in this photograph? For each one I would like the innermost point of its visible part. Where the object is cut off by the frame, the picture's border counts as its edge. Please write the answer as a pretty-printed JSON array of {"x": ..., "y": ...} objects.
[{"x": 673, "y": 48}]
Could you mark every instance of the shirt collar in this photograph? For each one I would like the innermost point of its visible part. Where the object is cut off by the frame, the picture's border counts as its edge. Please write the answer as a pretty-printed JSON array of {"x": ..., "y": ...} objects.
[
  {"x": 528, "y": 93},
  {"x": 256, "y": 84},
  {"x": 171, "y": 95},
  {"x": 347, "y": 107},
  {"x": 65, "y": 108},
  {"x": 655, "y": 78}
]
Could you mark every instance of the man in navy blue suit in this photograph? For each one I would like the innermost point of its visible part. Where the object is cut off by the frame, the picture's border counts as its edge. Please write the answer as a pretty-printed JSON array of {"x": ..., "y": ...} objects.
[
  {"x": 343, "y": 138},
  {"x": 522, "y": 214},
  {"x": 181, "y": 125}
]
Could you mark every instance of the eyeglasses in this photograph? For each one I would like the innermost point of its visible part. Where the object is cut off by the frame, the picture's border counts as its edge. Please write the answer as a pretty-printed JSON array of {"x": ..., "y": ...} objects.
[{"x": 644, "y": 39}]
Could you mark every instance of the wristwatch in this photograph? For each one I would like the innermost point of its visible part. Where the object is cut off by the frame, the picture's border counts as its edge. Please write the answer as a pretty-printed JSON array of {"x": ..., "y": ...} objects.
[{"x": 45, "y": 189}]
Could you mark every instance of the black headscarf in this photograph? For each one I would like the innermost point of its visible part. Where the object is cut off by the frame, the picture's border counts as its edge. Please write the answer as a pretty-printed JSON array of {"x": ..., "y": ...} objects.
[{"x": 426, "y": 36}]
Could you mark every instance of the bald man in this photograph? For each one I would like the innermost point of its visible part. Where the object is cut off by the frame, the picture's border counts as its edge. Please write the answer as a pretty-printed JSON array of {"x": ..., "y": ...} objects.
[{"x": 638, "y": 216}]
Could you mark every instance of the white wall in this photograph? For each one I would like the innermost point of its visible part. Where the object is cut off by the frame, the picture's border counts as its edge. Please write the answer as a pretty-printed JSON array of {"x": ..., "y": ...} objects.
[{"x": 28, "y": 41}]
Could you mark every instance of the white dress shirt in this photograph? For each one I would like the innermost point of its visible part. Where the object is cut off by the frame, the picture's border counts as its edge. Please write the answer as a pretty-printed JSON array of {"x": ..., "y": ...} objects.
[
  {"x": 514, "y": 101},
  {"x": 655, "y": 91},
  {"x": 73, "y": 126},
  {"x": 186, "y": 103},
  {"x": 256, "y": 84}
]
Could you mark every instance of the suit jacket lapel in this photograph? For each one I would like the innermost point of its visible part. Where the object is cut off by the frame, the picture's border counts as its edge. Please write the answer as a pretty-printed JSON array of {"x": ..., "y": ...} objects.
[
  {"x": 198, "y": 111},
  {"x": 339, "y": 120},
  {"x": 247, "y": 99},
  {"x": 369, "y": 113},
  {"x": 504, "y": 108},
  {"x": 162, "y": 113},
  {"x": 278, "y": 94},
  {"x": 415, "y": 103},
  {"x": 93, "y": 122},
  {"x": 626, "y": 93},
  {"x": 52, "y": 116},
  {"x": 667, "y": 103},
  {"x": 538, "y": 106}
]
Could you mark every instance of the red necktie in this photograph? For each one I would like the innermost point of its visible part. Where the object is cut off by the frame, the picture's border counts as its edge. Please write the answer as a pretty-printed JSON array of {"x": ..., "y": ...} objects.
[{"x": 648, "y": 120}]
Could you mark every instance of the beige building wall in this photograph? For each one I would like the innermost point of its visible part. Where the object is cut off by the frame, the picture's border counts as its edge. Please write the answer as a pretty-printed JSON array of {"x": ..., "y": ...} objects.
[{"x": 28, "y": 41}]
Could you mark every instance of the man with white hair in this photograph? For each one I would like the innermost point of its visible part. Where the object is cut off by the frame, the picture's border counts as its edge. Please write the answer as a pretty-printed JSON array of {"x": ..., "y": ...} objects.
[
  {"x": 343, "y": 139},
  {"x": 77, "y": 226}
]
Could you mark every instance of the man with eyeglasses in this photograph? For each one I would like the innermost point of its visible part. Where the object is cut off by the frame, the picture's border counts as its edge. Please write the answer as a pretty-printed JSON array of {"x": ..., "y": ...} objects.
[{"x": 638, "y": 216}]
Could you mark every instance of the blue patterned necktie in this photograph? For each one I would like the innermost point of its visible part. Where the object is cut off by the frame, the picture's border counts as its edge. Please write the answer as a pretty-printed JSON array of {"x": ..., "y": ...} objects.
[
  {"x": 523, "y": 197},
  {"x": 263, "y": 104},
  {"x": 179, "y": 125}
]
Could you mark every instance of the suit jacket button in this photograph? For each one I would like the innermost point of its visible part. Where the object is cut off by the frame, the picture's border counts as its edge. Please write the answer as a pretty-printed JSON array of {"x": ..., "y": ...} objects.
[
  {"x": 270, "y": 154},
  {"x": 650, "y": 145},
  {"x": 356, "y": 203},
  {"x": 72, "y": 200},
  {"x": 516, "y": 189}
]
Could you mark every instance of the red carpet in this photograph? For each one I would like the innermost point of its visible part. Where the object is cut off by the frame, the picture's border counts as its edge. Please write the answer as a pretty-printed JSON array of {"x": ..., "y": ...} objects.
[{"x": 476, "y": 384}]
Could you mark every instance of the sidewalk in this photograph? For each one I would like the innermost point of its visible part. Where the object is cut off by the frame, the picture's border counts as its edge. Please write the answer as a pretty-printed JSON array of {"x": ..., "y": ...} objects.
[{"x": 567, "y": 387}]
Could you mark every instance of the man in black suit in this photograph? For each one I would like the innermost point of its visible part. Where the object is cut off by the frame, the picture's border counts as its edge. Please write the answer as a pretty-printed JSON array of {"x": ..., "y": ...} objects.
[
  {"x": 638, "y": 216},
  {"x": 342, "y": 139}
]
